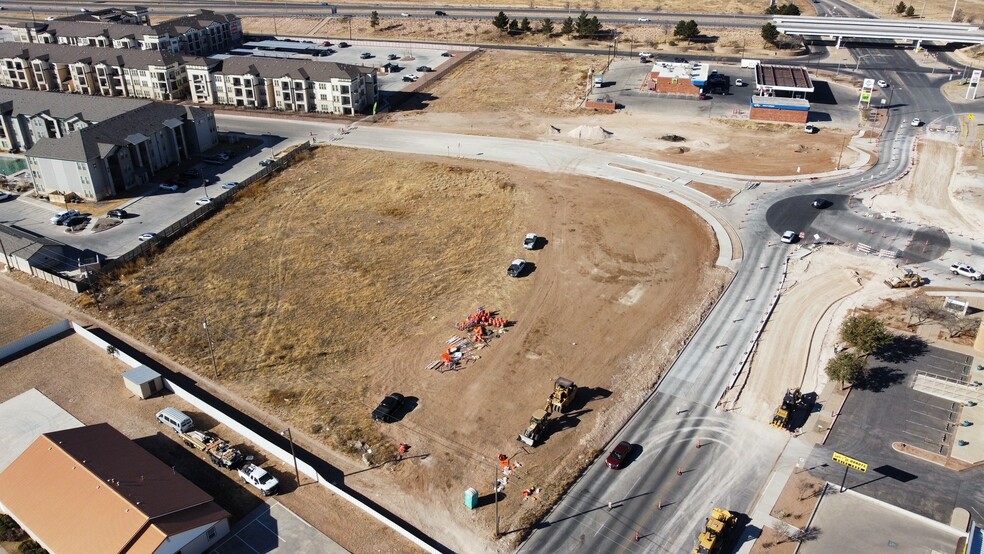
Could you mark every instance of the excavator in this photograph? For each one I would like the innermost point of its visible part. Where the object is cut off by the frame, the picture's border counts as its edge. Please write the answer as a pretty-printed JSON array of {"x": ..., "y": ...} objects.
[
  {"x": 791, "y": 402},
  {"x": 712, "y": 539},
  {"x": 560, "y": 399}
]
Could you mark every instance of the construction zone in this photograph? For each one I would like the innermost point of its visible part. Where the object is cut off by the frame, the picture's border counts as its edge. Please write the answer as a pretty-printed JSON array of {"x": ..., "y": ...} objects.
[
  {"x": 560, "y": 399},
  {"x": 905, "y": 278},
  {"x": 481, "y": 326},
  {"x": 219, "y": 452},
  {"x": 793, "y": 411},
  {"x": 717, "y": 532}
]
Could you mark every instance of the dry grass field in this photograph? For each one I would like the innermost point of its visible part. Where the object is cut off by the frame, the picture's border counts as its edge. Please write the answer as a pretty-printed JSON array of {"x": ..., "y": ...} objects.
[
  {"x": 18, "y": 318},
  {"x": 650, "y": 6},
  {"x": 339, "y": 280}
]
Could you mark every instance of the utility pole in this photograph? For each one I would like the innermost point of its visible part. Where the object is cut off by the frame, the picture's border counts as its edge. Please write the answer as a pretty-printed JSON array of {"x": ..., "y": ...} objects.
[
  {"x": 495, "y": 493},
  {"x": 291, "y": 439},
  {"x": 211, "y": 352}
]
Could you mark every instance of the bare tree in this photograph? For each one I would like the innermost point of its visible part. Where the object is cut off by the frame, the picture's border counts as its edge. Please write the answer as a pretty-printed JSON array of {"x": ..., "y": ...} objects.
[
  {"x": 806, "y": 534},
  {"x": 782, "y": 531},
  {"x": 959, "y": 326}
]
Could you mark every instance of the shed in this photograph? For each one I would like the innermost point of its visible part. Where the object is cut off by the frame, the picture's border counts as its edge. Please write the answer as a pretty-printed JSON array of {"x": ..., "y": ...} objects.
[{"x": 143, "y": 381}]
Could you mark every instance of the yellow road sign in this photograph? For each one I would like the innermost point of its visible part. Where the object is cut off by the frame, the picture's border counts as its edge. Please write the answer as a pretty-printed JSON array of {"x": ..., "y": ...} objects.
[
  {"x": 850, "y": 462},
  {"x": 970, "y": 116}
]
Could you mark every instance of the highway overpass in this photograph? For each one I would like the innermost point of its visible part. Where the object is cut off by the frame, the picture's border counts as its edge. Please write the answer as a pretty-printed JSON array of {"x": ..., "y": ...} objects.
[{"x": 849, "y": 27}]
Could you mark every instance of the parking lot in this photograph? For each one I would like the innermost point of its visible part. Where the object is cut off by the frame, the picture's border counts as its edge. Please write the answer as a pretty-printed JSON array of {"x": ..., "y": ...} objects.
[
  {"x": 887, "y": 410},
  {"x": 625, "y": 82},
  {"x": 149, "y": 209}
]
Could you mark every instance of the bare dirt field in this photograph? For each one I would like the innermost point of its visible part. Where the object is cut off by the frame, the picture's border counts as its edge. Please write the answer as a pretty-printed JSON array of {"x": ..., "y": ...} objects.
[
  {"x": 18, "y": 319},
  {"x": 539, "y": 116},
  {"x": 346, "y": 287}
]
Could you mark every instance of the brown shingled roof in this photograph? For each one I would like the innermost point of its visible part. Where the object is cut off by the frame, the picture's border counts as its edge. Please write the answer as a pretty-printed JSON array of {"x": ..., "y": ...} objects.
[{"x": 91, "y": 489}]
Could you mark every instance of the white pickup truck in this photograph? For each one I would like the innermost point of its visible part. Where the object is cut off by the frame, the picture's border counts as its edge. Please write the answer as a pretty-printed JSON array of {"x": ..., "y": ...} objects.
[
  {"x": 966, "y": 271},
  {"x": 258, "y": 477}
]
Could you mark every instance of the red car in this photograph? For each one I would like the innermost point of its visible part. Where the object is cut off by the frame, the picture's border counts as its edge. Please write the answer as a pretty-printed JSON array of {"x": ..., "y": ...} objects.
[{"x": 618, "y": 455}]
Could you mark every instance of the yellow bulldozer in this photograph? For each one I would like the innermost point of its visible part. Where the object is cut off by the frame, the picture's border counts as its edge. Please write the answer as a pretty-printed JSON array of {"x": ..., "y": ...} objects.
[
  {"x": 716, "y": 529},
  {"x": 905, "y": 278},
  {"x": 563, "y": 394},
  {"x": 538, "y": 424}
]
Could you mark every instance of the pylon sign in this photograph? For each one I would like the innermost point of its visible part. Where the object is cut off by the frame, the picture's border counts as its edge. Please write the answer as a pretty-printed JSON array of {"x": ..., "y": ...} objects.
[
  {"x": 975, "y": 81},
  {"x": 866, "y": 88},
  {"x": 850, "y": 462}
]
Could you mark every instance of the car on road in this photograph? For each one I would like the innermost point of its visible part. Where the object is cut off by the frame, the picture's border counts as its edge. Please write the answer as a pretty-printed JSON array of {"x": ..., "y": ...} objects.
[
  {"x": 966, "y": 271},
  {"x": 4, "y": 196},
  {"x": 230, "y": 185},
  {"x": 643, "y": 20},
  {"x": 530, "y": 240},
  {"x": 739, "y": 83},
  {"x": 190, "y": 173},
  {"x": 146, "y": 236},
  {"x": 384, "y": 412},
  {"x": 404, "y": 14},
  {"x": 76, "y": 220},
  {"x": 789, "y": 237},
  {"x": 440, "y": 13},
  {"x": 203, "y": 200},
  {"x": 882, "y": 83},
  {"x": 821, "y": 203},
  {"x": 168, "y": 186},
  {"x": 392, "y": 57},
  {"x": 617, "y": 458},
  {"x": 423, "y": 68},
  {"x": 678, "y": 59},
  {"x": 915, "y": 122},
  {"x": 118, "y": 214},
  {"x": 365, "y": 55},
  {"x": 61, "y": 217},
  {"x": 516, "y": 267}
]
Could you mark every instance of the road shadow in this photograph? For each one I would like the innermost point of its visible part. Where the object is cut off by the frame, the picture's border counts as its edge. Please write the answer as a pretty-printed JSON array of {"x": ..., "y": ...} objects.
[
  {"x": 928, "y": 243},
  {"x": 902, "y": 349},
  {"x": 877, "y": 379}
]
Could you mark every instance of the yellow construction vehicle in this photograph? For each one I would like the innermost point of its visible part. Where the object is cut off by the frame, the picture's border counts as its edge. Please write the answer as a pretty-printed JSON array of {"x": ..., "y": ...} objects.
[
  {"x": 538, "y": 424},
  {"x": 791, "y": 402},
  {"x": 905, "y": 278},
  {"x": 716, "y": 528},
  {"x": 563, "y": 394}
]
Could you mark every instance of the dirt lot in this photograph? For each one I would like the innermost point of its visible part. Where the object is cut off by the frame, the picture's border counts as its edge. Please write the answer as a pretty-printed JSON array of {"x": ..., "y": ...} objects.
[
  {"x": 346, "y": 289},
  {"x": 18, "y": 318}
]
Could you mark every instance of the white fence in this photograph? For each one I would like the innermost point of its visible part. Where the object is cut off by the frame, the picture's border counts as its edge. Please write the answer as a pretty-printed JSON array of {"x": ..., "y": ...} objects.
[{"x": 12, "y": 349}]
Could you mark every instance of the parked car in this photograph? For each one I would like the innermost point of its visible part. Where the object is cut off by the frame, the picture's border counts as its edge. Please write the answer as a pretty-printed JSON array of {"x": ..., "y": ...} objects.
[
  {"x": 810, "y": 128},
  {"x": 618, "y": 455},
  {"x": 821, "y": 203},
  {"x": 966, "y": 271},
  {"x": 343, "y": 44},
  {"x": 789, "y": 237},
  {"x": 267, "y": 161},
  {"x": 326, "y": 43},
  {"x": 530, "y": 240},
  {"x": 392, "y": 57},
  {"x": 60, "y": 217},
  {"x": 739, "y": 83},
  {"x": 190, "y": 173},
  {"x": 214, "y": 160},
  {"x": 408, "y": 79},
  {"x": 168, "y": 186},
  {"x": 118, "y": 214},
  {"x": 230, "y": 185},
  {"x": 365, "y": 55},
  {"x": 423, "y": 68},
  {"x": 203, "y": 200},
  {"x": 384, "y": 412},
  {"x": 76, "y": 220},
  {"x": 882, "y": 83},
  {"x": 440, "y": 13},
  {"x": 4, "y": 196},
  {"x": 516, "y": 267},
  {"x": 146, "y": 236},
  {"x": 446, "y": 55}
]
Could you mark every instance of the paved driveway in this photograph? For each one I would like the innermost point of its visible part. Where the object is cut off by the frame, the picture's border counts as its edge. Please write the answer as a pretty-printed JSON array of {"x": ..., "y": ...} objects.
[{"x": 274, "y": 528}]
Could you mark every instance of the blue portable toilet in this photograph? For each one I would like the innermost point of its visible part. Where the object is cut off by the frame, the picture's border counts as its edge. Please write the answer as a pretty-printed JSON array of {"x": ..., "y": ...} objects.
[{"x": 471, "y": 498}]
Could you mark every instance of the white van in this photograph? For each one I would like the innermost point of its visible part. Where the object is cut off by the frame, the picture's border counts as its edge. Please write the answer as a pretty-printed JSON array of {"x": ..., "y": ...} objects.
[
  {"x": 599, "y": 81},
  {"x": 176, "y": 419}
]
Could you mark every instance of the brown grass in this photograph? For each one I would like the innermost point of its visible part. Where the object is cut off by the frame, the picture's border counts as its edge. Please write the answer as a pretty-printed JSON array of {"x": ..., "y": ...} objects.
[
  {"x": 336, "y": 257},
  {"x": 713, "y": 6}
]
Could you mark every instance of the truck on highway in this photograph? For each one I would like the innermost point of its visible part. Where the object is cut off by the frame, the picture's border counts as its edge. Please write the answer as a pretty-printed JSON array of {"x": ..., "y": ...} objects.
[
  {"x": 255, "y": 475},
  {"x": 220, "y": 452}
]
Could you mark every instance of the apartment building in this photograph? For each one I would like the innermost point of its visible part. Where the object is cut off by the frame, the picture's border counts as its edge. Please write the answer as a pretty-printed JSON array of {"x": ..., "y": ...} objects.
[
  {"x": 201, "y": 33},
  {"x": 283, "y": 85},
  {"x": 90, "y": 70},
  {"x": 104, "y": 154},
  {"x": 27, "y": 116}
]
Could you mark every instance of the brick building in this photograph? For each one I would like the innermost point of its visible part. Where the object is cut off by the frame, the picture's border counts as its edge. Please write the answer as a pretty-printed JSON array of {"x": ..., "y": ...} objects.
[
  {"x": 780, "y": 94},
  {"x": 679, "y": 78}
]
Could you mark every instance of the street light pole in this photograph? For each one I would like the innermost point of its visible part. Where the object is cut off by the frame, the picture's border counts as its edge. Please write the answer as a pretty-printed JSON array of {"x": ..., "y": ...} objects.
[
  {"x": 290, "y": 438},
  {"x": 954, "y": 12},
  {"x": 495, "y": 495}
]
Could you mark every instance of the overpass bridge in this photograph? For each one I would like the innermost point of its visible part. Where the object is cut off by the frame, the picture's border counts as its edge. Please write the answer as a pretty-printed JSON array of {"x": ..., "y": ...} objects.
[{"x": 849, "y": 27}]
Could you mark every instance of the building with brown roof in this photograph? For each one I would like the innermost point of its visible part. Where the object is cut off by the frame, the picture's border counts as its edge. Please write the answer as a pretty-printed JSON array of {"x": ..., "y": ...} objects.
[{"x": 91, "y": 489}]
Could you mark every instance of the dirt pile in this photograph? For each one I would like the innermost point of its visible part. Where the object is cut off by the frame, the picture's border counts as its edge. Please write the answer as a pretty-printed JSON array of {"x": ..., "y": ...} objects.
[{"x": 589, "y": 132}]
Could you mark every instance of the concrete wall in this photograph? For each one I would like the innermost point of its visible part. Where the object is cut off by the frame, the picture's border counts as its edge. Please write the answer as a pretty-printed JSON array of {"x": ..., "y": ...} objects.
[
  {"x": 785, "y": 116},
  {"x": 13, "y": 348}
]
